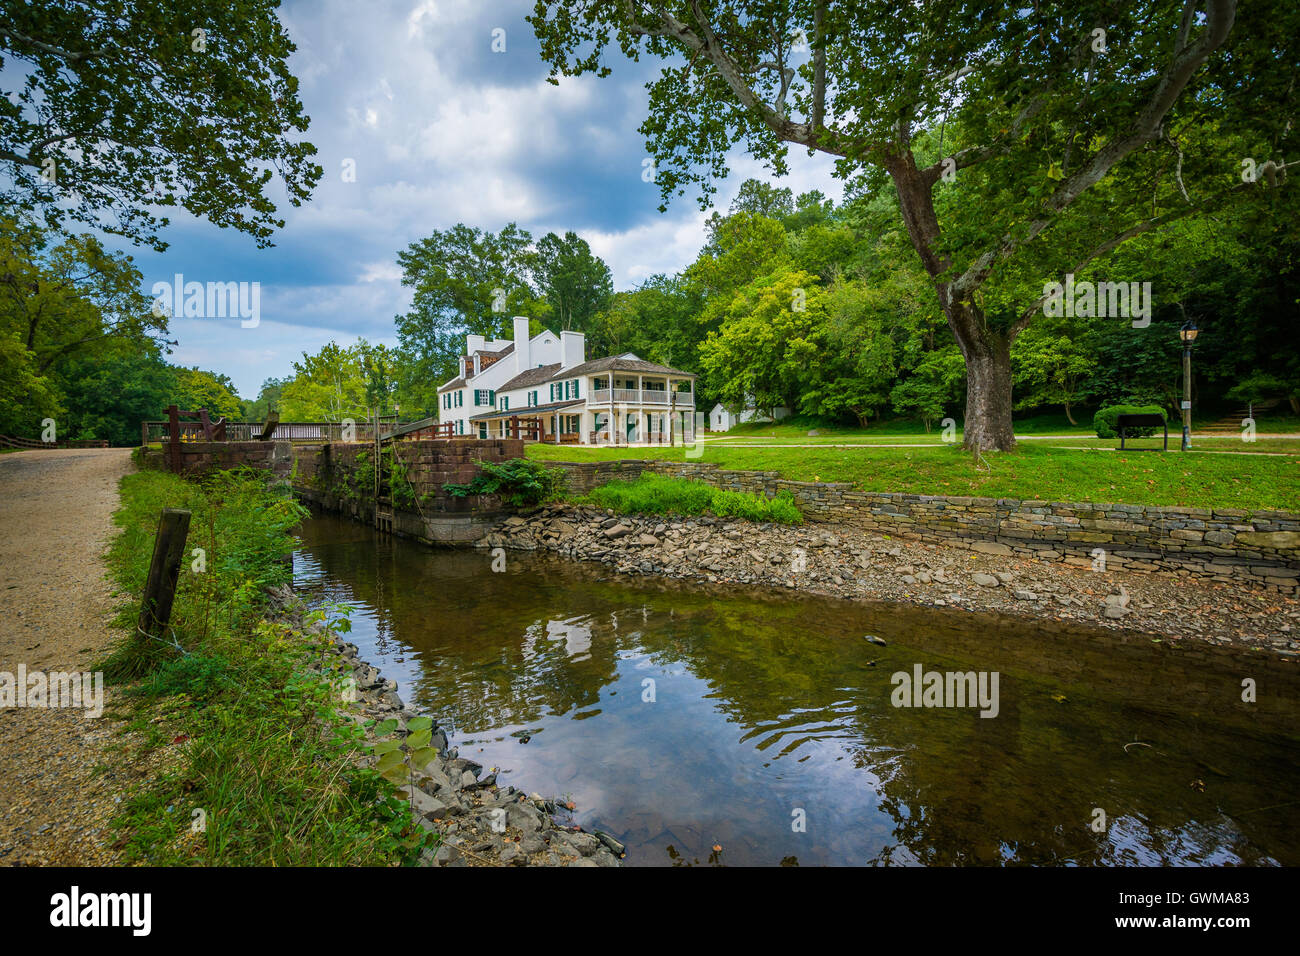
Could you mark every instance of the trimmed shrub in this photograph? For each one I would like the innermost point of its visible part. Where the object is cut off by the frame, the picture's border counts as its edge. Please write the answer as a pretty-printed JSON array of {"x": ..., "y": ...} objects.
[{"x": 1105, "y": 420}]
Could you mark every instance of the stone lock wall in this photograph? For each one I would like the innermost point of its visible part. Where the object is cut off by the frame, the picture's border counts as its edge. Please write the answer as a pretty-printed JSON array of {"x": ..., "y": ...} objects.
[
  {"x": 338, "y": 477},
  {"x": 1261, "y": 547}
]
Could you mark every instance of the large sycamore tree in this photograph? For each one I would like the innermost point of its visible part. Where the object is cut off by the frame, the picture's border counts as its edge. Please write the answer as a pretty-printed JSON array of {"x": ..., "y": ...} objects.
[
  {"x": 116, "y": 110},
  {"x": 1024, "y": 141}
]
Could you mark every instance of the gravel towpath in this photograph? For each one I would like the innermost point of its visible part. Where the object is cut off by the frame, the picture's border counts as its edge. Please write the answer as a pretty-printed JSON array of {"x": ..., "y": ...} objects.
[{"x": 61, "y": 771}]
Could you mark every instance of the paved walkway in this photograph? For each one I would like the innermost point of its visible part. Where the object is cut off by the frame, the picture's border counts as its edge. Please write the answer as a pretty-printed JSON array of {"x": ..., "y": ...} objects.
[{"x": 56, "y": 791}]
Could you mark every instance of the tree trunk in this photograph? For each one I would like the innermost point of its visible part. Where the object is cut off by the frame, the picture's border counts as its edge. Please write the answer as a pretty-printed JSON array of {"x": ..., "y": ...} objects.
[
  {"x": 988, "y": 395},
  {"x": 986, "y": 351},
  {"x": 1069, "y": 417}
]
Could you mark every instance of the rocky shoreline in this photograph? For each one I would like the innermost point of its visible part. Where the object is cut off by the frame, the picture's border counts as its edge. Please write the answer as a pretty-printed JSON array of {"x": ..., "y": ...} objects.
[
  {"x": 858, "y": 565},
  {"x": 478, "y": 822}
]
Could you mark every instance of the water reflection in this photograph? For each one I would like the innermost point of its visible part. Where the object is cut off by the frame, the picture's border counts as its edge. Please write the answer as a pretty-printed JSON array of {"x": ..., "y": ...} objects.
[{"x": 680, "y": 719}]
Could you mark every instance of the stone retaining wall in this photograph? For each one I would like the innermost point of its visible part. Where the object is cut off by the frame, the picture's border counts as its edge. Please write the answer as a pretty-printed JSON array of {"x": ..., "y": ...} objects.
[
  {"x": 1261, "y": 547},
  {"x": 339, "y": 477}
]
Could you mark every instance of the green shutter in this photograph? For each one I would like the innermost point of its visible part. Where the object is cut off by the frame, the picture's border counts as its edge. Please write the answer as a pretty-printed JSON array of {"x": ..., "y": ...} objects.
[{"x": 575, "y": 389}]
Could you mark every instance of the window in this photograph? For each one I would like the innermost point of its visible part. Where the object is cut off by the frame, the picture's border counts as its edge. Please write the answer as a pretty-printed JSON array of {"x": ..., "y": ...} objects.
[
  {"x": 460, "y": 399},
  {"x": 505, "y": 403},
  {"x": 482, "y": 429}
]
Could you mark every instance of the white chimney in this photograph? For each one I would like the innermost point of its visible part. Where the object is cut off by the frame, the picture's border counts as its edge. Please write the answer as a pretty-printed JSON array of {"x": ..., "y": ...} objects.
[
  {"x": 523, "y": 361},
  {"x": 474, "y": 343},
  {"x": 573, "y": 349}
]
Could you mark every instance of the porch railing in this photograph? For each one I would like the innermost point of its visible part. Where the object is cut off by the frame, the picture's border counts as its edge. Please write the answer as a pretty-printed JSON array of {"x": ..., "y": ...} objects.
[{"x": 643, "y": 396}]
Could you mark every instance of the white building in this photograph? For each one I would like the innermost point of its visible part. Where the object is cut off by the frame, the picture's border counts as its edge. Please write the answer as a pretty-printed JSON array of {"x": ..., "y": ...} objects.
[
  {"x": 723, "y": 419},
  {"x": 543, "y": 388}
]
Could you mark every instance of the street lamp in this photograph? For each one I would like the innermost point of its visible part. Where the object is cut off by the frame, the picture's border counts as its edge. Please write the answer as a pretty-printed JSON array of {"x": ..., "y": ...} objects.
[{"x": 1187, "y": 334}]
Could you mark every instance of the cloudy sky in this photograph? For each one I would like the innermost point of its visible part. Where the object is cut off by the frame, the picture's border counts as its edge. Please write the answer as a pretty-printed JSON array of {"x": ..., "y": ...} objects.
[{"x": 441, "y": 129}]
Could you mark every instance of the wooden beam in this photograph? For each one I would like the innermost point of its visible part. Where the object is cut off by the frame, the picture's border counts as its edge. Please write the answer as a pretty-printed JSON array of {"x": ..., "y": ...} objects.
[{"x": 164, "y": 570}]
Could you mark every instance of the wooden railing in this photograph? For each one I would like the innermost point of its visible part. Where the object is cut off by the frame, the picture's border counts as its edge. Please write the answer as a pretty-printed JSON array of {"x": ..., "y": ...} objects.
[
  {"x": 13, "y": 441},
  {"x": 643, "y": 396},
  {"x": 284, "y": 431}
]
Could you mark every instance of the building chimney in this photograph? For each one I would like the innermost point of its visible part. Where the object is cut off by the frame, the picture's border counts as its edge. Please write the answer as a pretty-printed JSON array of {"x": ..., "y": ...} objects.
[
  {"x": 523, "y": 361},
  {"x": 474, "y": 343},
  {"x": 573, "y": 349}
]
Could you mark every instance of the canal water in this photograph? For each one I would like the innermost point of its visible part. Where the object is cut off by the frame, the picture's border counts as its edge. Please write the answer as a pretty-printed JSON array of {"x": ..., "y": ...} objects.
[{"x": 682, "y": 718}]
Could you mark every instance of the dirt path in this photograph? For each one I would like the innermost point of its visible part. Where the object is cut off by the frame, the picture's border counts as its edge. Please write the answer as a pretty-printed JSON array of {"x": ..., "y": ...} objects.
[{"x": 55, "y": 520}]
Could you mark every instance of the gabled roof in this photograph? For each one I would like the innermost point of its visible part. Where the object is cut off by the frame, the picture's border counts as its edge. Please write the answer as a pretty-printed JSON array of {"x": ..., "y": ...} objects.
[
  {"x": 502, "y": 354},
  {"x": 532, "y": 376},
  {"x": 454, "y": 383},
  {"x": 626, "y": 362}
]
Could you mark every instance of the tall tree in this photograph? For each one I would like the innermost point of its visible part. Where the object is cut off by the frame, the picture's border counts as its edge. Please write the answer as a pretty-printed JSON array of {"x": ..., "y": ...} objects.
[
  {"x": 575, "y": 283},
  {"x": 68, "y": 298},
  {"x": 112, "y": 108},
  {"x": 465, "y": 281},
  {"x": 1058, "y": 130}
]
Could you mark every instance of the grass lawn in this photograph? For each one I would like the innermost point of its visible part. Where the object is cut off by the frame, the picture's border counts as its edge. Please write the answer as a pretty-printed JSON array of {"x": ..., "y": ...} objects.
[{"x": 1033, "y": 470}]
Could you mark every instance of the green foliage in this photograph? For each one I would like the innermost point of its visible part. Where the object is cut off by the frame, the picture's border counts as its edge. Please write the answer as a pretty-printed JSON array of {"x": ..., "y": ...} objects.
[
  {"x": 1104, "y": 421},
  {"x": 197, "y": 389},
  {"x": 657, "y": 494},
  {"x": 260, "y": 746},
  {"x": 521, "y": 482},
  {"x": 132, "y": 105}
]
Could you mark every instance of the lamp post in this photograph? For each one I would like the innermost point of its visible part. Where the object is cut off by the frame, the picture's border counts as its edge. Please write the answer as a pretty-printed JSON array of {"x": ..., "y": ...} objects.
[{"x": 1187, "y": 334}]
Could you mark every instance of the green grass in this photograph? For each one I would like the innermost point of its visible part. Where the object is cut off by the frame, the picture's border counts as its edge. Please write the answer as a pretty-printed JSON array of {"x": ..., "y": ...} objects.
[
  {"x": 1033, "y": 470},
  {"x": 659, "y": 495},
  {"x": 242, "y": 731}
]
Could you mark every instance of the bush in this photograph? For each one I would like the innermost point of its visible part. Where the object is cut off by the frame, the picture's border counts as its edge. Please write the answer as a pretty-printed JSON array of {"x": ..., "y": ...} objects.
[
  {"x": 520, "y": 481},
  {"x": 266, "y": 755},
  {"x": 655, "y": 494},
  {"x": 1105, "y": 419}
]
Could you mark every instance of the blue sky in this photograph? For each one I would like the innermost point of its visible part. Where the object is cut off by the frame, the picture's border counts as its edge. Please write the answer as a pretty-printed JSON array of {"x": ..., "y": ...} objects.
[{"x": 442, "y": 130}]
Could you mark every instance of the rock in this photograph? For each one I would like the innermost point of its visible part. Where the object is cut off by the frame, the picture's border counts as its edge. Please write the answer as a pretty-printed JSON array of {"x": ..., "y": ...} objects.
[
  {"x": 990, "y": 547},
  {"x": 871, "y": 638},
  {"x": 1114, "y": 611},
  {"x": 512, "y": 854},
  {"x": 618, "y": 849},
  {"x": 532, "y": 843},
  {"x": 447, "y": 854},
  {"x": 427, "y": 806},
  {"x": 618, "y": 531},
  {"x": 1004, "y": 576},
  {"x": 985, "y": 580},
  {"x": 1023, "y": 595},
  {"x": 524, "y": 816}
]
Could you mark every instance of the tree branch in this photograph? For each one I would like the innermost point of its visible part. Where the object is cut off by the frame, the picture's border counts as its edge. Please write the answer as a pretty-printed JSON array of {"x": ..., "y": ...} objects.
[{"x": 1186, "y": 60}]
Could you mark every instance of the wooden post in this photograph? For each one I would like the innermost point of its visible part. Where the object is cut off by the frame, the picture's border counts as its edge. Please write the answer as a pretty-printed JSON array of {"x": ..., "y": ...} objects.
[
  {"x": 164, "y": 569},
  {"x": 174, "y": 438}
]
